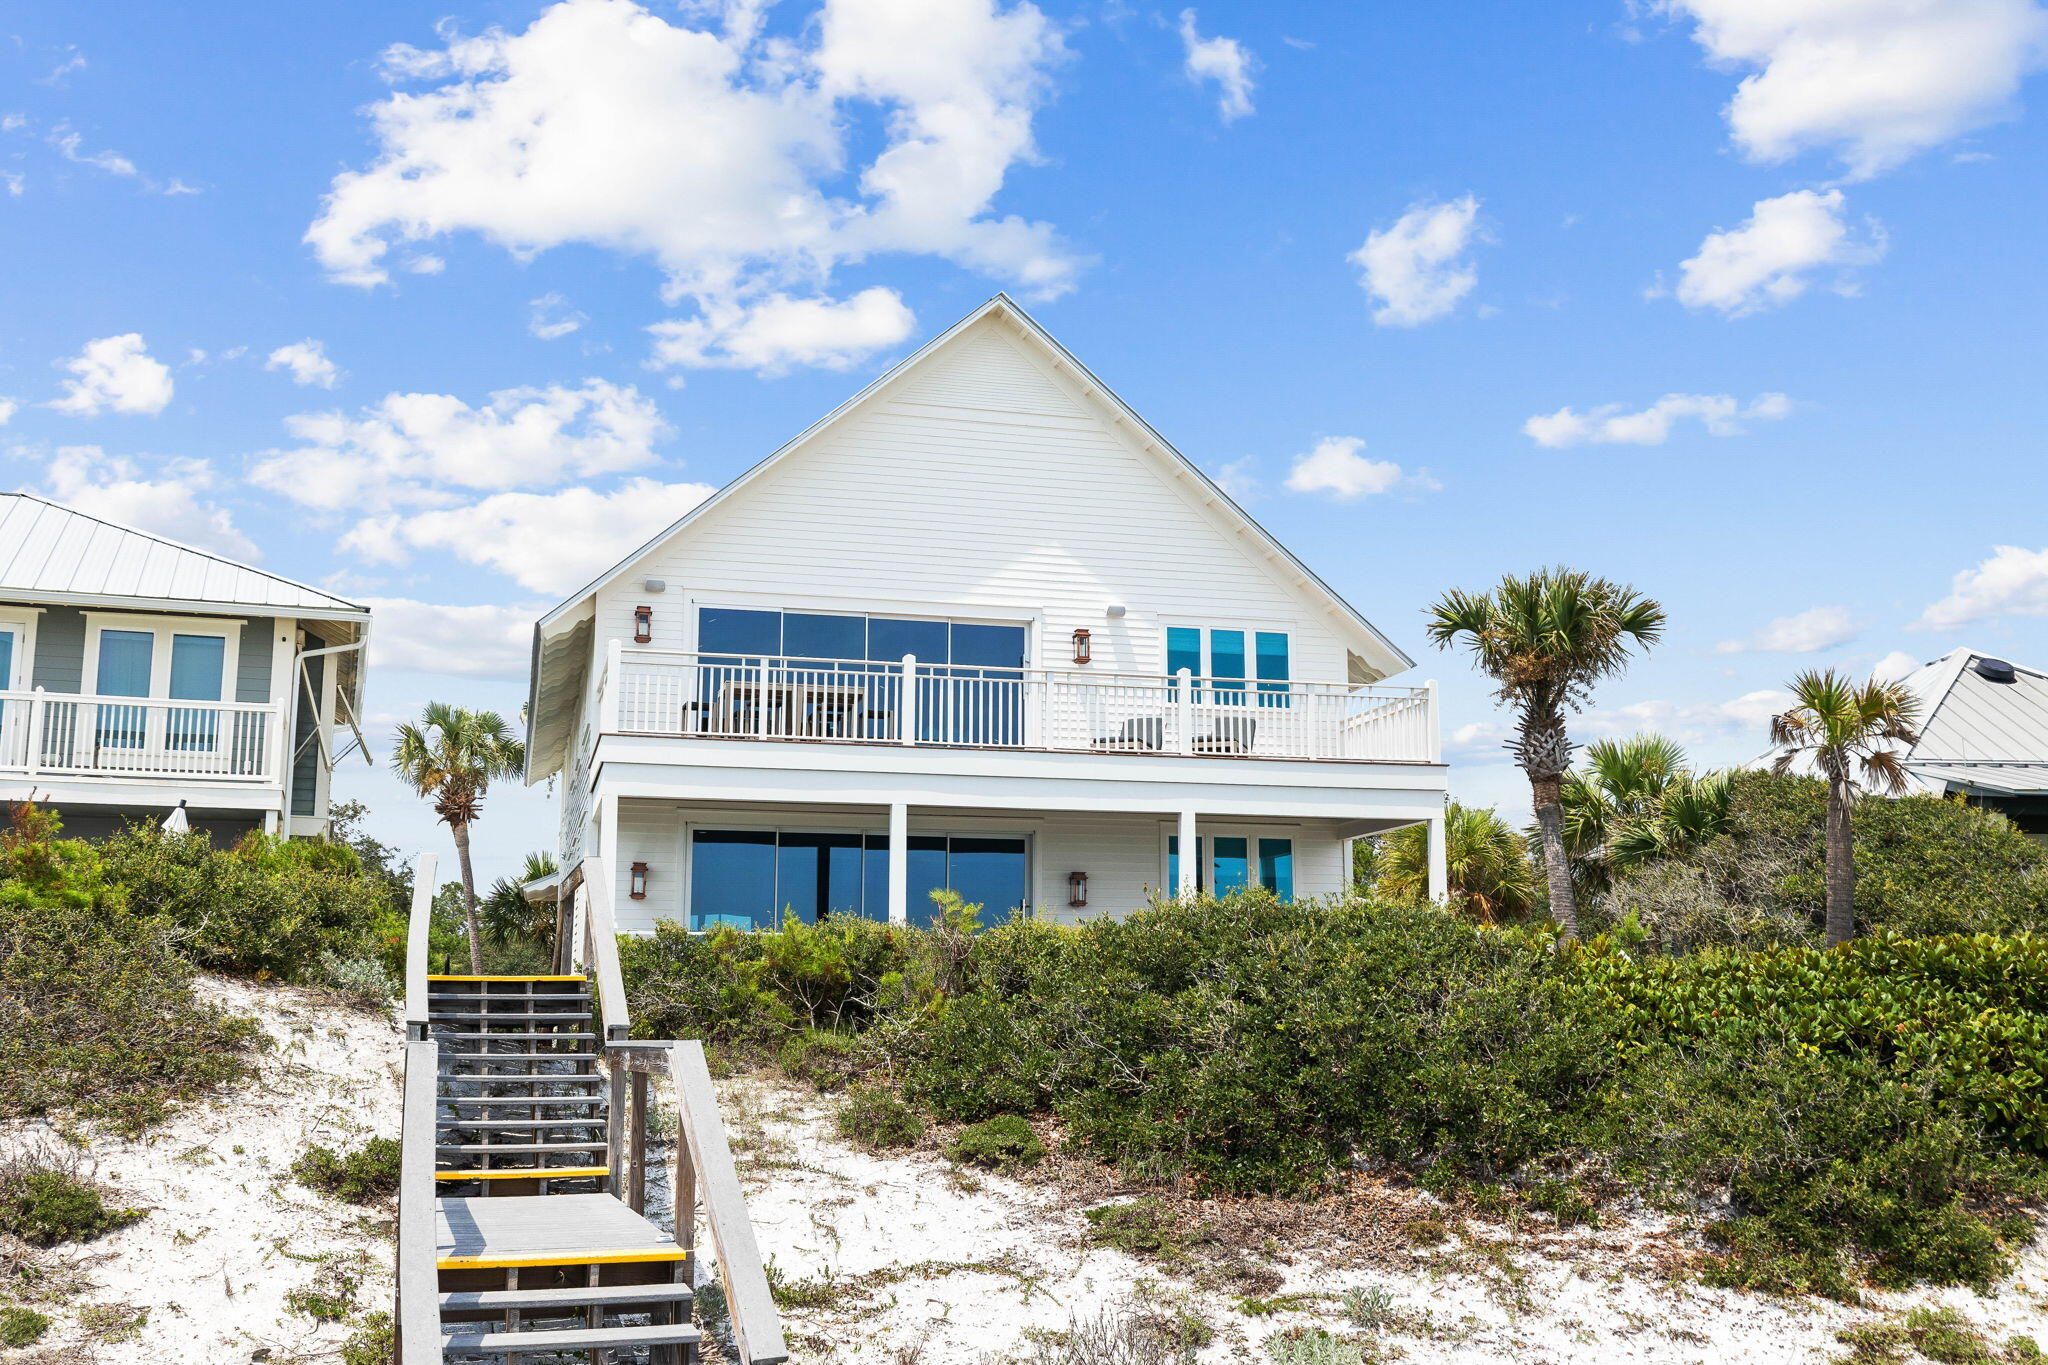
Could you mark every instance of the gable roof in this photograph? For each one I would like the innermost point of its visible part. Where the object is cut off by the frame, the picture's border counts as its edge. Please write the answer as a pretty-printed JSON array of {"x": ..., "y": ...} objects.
[
  {"x": 1381, "y": 653},
  {"x": 53, "y": 553},
  {"x": 562, "y": 636}
]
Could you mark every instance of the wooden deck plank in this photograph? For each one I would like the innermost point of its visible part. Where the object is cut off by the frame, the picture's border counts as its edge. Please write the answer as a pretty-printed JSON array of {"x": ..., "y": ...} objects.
[
  {"x": 589, "y": 1338},
  {"x": 548, "y": 1229}
]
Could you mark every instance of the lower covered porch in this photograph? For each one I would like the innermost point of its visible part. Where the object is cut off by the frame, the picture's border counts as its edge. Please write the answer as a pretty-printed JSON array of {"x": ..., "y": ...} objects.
[{"x": 704, "y": 864}]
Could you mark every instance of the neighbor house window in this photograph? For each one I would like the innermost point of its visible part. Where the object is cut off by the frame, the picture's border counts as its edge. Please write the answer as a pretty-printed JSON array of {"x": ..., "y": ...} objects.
[
  {"x": 1228, "y": 865},
  {"x": 757, "y": 879},
  {"x": 168, "y": 659}
]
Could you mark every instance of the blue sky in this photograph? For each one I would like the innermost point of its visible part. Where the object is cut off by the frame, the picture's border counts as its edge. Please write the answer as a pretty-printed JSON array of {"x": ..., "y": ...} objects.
[{"x": 369, "y": 293}]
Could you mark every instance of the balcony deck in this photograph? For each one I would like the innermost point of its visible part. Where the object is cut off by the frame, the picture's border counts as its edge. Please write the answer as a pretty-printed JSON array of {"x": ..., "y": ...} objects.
[
  {"x": 72, "y": 739},
  {"x": 909, "y": 704}
]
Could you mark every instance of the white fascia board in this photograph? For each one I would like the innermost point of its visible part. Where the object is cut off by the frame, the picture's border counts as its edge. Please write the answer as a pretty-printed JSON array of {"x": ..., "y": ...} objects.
[
  {"x": 182, "y": 605},
  {"x": 129, "y": 791}
]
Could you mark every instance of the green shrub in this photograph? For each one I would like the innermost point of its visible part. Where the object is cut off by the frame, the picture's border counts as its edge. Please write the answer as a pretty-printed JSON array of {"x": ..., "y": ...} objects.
[
  {"x": 1141, "y": 1227},
  {"x": 879, "y": 1118},
  {"x": 44, "y": 1204},
  {"x": 374, "y": 1342},
  {"x": 1867, "y": 1112},
  {"x": 97, "y": 1013},
  {"x": 22, "y": 1326},
  {"x": 362, "y": 979},
  {"x": 998, "y": 1143},
  {"x": 267, "y": 908},
  {"x": 332, "y": 1293},
  {"x": 369, "y": 1172},
  {"x": 820, "y": 1057}
]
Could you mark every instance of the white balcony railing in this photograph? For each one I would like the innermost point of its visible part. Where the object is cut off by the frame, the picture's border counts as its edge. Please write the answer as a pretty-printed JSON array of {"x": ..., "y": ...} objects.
[
  {"x": 59, "y": 734},
  {"x": 663, "y": 692}
]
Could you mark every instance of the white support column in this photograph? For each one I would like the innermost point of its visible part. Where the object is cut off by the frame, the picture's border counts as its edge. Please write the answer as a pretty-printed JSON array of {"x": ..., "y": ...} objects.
[
  {"x": 1439, "y": 863},
  {"x": 899, "y": 863},
  {"x": 608, "y": 844},
  {"x": 1190, "y": 855}
]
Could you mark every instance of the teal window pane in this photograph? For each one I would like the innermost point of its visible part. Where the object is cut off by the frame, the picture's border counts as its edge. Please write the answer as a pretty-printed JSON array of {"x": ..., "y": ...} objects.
[
  {"x": 1173, "y": 865},
  {"x": 818, "y": 875},
  {"x": 1226, "y": 662},
  {"x": 198, "y": 670},
  {"x": 1272, "y": 667},
  {"x": 1183, "y": 650},
  {"x": 124, "y": 669},
  {"x": 927, "y": 874},
  {"x": 6, "y": 668},
  {"x": 731, "y": 630},
  {"x": 1233, "y": 870},
  {"x": 824, "y": 637},
  {"x": 1276, "y": 867},
  {"x": 124, "y": 663},
  {"x": 988, "y": 873},
  {"x": 890, "y": 639}
]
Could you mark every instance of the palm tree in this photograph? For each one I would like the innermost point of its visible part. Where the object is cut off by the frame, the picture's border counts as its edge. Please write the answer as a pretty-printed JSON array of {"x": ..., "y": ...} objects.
[
  {"x": 1848, "y": 729},
  {"x": 1545, "y": 639},
  {"x": 506, "y": 916},
  {"x": 1487, "y": 861},
  {"x": 451, "y": 757},
  {"x": 1632, "y": 800}
]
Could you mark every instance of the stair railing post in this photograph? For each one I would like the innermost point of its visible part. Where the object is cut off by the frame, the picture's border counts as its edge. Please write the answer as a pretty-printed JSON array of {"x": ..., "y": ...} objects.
[{"x": 636, "y": 1160}]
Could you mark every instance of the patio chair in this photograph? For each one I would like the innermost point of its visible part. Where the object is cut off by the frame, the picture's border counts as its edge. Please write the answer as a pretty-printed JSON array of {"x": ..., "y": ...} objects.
[
  {"x": 1228, "y": 735},
  {"x": 1137, "y": 733}
]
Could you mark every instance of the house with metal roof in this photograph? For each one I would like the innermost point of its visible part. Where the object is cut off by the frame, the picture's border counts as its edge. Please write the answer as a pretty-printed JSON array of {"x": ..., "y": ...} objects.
[
  {"x": 979, "y": 629},
  {"x": 1983, "y": 735},
  {"x": 140, "y": 676}
]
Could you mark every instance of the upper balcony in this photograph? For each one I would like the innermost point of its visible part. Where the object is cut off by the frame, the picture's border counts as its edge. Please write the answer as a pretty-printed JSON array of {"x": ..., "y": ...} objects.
[
  {"x": 1077, "y": 710},
  {"x": 58, "y": 737}
]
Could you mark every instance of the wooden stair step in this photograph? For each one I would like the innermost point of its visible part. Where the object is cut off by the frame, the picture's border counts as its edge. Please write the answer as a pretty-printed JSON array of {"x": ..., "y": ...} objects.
[
  {"x": 515, "y": 1125},
  {"x": 506, "y": 980},
  {"x": 594, "y": 1296},
  {"x": 507, "y": 998},
  {"x": 481, "y": 1101},
  {"x": 558, "y": 1036},
  {"x": 572, "y": 1339},
  {"x": 518, "y": 1057},
  {"x": 515, "y": 1148},
  {"x": 526, "y": 1173},
  {"x": 507, "y": 1017}
]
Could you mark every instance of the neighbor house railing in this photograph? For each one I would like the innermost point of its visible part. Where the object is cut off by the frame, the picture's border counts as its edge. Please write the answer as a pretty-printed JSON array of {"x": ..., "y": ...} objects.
[
  {"x": 63, "y": 734},
  {"x": 417, "y": 1306},
  {"x": 663, "y": 692}
]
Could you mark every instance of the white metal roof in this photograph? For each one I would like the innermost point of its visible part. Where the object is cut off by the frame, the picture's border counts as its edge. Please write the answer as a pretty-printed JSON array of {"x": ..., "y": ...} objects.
[
  {"x": 1978, "y": 734},
  {"x": 52, "y": 553}
]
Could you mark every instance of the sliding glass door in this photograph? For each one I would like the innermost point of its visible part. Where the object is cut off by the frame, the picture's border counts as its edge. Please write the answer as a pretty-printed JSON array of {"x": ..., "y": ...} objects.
[{"x": 756, "y": 879}]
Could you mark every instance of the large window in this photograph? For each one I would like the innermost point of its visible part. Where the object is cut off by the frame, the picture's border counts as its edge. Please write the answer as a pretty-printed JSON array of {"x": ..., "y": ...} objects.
[
  {"x": 828, "y": 675},
  {"x": 1230, "y": 658},
  {"x": 754, "y": 879},
  {"x": 1227, "y": 863},
  {"x": 160, "y": 659}
]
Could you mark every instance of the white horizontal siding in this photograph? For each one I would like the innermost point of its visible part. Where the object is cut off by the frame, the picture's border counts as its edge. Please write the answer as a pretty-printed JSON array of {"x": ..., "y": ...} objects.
[{"x": 982, "y": 484}]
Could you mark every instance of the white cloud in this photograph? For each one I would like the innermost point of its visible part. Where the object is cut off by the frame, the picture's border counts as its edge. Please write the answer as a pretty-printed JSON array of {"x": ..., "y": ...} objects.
[
  {"x": 70, "y": 145},
  {"x": 1238, "y": 478},
  {"x": 1336, "y": 467},
  {"x": 1804, "y": 633},
  {"x": 1689, "y": 722},
  {"x": 307, "y": 360},
  {"x": 118, "y": 373},
  {"x": 1767, "y": 261},
  {"x": 1875, "y": 80},
  {"x": 469, "y": 642},
  {"x": 779, "y": 332},
  {"x": 167, "y": 504},
  {"x": 547, "y": 542},
  {"x": 411, "y": 447},
  {"x": 8, "y": 407},
  {"x": 1417, "y": 269},
  {"x": 1222, "y": 60},
  {"x": 709, "y": 150},
  {"x": 553, "y": 318},
  {"x": 2013, "y": 582},
  {"x": 1611, "y": 424},
  {"x": 1894, "y": 666}
]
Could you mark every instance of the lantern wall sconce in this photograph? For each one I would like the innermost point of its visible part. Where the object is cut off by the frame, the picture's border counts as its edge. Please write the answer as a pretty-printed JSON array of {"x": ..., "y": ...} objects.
[
  {"x": 1083, "y": 649},
  {"x": 1077, "y": 889},
  {"x": 643, "y": 625},
  {"x": 637, "y": 887}
]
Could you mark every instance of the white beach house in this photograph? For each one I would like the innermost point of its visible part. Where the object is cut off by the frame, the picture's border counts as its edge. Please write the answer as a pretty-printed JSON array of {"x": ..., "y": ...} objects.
[
  {"x": 137, "y": 673},
  {"x": 980, "y": 628}
]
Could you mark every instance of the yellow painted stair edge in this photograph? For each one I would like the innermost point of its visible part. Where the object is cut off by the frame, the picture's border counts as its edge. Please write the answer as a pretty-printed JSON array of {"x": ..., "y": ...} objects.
[
  {"x": 508, "y": 978},
  {"x": 527, "y": 1173},
  {"x": 563, "y": 1258}
]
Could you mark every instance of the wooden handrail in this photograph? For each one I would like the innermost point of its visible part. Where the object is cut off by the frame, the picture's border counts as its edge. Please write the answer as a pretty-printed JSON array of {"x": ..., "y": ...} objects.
[
  {"x": 418, "y": 1306},
  {"x": 417, "y": 932},
  {"x": 602, "y": 945},
  {"x": 704, "y": 1168}
]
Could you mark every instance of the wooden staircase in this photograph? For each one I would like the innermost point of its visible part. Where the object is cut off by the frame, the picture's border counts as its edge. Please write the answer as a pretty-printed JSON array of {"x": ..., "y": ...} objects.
[{"x": 523, "y": 1235}]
